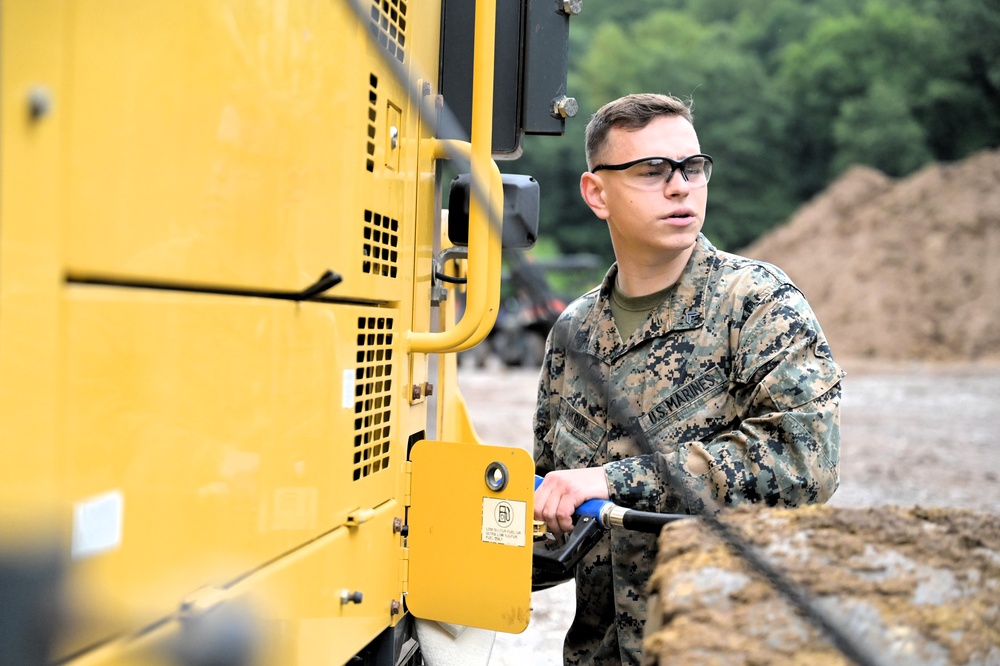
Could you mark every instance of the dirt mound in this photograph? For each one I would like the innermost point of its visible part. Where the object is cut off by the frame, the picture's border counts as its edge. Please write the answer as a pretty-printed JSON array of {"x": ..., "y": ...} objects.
[
  {"x": 908, "y": 586},
  {"x": 899, "y": 270}
]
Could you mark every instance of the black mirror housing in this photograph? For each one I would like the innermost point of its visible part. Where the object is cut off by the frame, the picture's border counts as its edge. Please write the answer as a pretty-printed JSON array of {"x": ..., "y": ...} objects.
[{"x": 520, "y": 211}]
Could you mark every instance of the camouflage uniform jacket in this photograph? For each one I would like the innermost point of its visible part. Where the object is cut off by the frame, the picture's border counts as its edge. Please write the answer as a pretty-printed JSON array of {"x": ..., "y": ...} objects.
[{"x": 726, "y": 394}]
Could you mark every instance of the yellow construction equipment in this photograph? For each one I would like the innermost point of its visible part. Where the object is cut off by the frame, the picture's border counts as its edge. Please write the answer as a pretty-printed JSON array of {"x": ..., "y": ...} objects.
[{"x": 230, "y": 426}]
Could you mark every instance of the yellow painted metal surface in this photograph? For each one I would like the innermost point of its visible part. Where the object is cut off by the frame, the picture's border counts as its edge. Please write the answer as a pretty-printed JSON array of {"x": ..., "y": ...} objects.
[
  {"x": 210, "y": 143},
  {"x": 224, "y": 426},
  {"x": 480, "y": 536},
  {"x": 32, "y": 58},
  {"x": 293, "y": 624},
  {"x": 169, "y": 172},
  {"x": 312, "y": 625}
]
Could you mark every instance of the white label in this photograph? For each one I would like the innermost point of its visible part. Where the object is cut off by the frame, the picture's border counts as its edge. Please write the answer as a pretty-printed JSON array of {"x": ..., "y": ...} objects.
[
  {"x": 347, "y": 388},
  {"x": 503, "y": 521},
  {"x": 97, "y": 524}
]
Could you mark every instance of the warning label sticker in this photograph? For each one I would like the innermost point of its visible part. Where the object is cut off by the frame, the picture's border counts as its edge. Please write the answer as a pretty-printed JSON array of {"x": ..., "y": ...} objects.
[{"x": 503, "y": 522}]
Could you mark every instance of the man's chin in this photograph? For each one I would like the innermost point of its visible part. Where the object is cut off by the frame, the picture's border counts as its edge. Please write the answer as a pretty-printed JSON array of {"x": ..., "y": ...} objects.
[{"x": 682, "y": 239}]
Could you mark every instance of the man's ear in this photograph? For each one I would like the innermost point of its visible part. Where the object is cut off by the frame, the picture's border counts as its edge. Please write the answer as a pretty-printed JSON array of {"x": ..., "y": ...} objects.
[{"x": 592, "y": 191}]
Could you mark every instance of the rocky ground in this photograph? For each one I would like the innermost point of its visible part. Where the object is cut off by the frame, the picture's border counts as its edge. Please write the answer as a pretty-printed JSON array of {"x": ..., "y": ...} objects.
[
  {"x": 890, "y": 586},
  {"x": 912, "y": 434}
]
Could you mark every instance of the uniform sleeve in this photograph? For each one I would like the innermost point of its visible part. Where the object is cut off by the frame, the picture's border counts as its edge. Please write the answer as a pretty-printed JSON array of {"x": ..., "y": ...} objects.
[
  {"x": 784, "y": 449},
  {"x": 546, "y": 409}
]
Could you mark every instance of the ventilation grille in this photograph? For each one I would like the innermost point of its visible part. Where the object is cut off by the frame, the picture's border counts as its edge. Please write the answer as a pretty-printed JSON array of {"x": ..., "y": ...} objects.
[
  {"x": 372, "y": 115},
  {"x": 388, "y": 24},
  {"x": 381, "y": 246},
  {"x": 372, "y": 396}
]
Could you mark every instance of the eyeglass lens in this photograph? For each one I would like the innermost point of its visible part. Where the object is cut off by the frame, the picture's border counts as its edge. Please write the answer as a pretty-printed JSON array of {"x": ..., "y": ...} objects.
[{"x": 654, "y": 172}]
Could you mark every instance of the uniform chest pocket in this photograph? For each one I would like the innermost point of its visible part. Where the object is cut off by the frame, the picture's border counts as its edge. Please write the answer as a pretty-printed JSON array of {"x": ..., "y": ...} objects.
[{"x": 576, "y": 439}]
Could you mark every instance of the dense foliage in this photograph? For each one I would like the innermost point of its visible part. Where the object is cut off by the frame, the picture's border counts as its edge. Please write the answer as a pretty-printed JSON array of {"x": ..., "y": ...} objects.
[{"x": 786, "y": 93}]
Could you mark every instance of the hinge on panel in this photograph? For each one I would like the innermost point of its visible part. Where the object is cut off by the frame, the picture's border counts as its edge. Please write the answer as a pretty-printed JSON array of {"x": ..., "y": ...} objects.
[
  {"x": 404, "y": 560},
  {"x": 404, "y": 571},
  {"x": 407, "y": 482}
]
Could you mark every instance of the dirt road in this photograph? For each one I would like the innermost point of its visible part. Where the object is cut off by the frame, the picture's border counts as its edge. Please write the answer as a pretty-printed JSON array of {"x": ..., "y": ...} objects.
[{"x": 912, "y": 434}]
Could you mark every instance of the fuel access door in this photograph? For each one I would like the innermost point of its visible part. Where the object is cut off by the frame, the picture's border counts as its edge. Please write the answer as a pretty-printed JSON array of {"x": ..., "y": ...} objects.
[{"x": 470, "y": 538}]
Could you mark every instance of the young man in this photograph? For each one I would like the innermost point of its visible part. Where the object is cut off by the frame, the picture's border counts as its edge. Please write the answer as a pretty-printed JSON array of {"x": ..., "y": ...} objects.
[{"x": 689, "y": 381}]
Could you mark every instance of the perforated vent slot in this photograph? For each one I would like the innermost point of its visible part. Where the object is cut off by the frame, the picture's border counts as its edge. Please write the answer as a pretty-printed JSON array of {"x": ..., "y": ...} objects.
[
  {"x": 388, "y": 23},
  {"x": 381, "y": 245},
  {"x": 372, "y": 116},
  {"x": 372, "y": 396}
]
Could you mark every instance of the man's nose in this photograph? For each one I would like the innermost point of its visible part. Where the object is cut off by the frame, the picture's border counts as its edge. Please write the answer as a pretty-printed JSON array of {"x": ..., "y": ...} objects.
[{"x": 676, "y": 182}]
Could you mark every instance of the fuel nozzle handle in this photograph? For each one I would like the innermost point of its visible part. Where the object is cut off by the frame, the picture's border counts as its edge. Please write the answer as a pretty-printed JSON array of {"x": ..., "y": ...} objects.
[
  {"x": 594, "y": 508},
  {"x": 592, "y": 519},
  {"x": 608, "y": 515},
  {"x": 552, "y": 565}
]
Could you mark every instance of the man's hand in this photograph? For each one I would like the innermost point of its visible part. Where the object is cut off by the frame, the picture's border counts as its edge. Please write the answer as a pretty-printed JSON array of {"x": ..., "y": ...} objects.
[{"x": 561, "y": 492}]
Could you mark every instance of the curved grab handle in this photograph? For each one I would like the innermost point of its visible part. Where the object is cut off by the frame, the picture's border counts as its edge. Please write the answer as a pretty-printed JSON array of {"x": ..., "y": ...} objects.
[
  {"x": 485, "y": 250},
  {"x": 483, "y": 298}
]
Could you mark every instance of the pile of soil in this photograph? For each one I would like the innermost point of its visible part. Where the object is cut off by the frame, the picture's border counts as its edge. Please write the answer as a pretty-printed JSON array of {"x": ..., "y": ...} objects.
[
  {"x": 907, "y": 586},
  {"x": 901, "y": 270}
]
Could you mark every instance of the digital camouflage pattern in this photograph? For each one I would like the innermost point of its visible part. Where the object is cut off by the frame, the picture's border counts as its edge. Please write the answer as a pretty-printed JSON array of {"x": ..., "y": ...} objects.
[{"x": 727, "y": 394}]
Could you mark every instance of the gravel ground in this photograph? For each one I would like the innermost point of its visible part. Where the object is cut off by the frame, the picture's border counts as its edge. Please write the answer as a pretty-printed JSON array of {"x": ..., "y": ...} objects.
[{"x": 912, "y": 434}]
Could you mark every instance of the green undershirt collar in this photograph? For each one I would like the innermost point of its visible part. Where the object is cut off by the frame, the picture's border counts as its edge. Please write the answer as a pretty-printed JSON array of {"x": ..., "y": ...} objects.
[{"x": 630, "y": 311}]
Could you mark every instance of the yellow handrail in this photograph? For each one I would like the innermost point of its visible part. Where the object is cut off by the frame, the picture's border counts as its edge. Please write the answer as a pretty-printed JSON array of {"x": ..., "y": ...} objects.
[{"x": 483, "y": 294}]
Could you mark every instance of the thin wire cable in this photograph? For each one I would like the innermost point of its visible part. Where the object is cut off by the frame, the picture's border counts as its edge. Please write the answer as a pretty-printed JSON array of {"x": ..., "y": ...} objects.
[
  {"x": 448, "y": 125},
  {"x": 849, "y": 646}
]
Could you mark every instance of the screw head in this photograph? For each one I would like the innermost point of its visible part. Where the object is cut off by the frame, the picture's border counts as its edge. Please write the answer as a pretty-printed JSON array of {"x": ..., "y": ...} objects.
[
  {"x": 572, "y": 7},
  {"x": 348, "y": 597},
  {"x": 39, "y": 102},
  {"x": 565, "y": 107}
]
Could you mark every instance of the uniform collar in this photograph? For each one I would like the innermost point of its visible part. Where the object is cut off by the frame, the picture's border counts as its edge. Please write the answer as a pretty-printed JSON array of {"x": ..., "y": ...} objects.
[{"x": 683, "y": 308}]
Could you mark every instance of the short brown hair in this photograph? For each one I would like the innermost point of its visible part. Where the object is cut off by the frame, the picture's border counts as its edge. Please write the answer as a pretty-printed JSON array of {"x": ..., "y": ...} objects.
[{"x": 631, "y": 112}]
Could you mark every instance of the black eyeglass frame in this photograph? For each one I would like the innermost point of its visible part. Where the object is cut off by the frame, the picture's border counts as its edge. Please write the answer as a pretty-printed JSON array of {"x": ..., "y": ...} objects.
[{"x": 675, "y": 165}]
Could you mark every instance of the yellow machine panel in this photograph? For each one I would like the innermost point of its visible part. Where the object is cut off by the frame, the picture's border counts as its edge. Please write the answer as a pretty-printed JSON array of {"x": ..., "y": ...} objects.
[
  {"x": 220, "y": 424},
  {"x": 332, "y": 619},
  {"x": 225, "y": 335},
  {"x": 189, "y": 119},
  {"x": 324, "y": 623}
]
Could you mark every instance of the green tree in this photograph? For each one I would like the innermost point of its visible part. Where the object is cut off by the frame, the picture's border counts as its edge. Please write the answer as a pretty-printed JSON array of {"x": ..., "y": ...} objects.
[
  {"x": 786, "y": 94},
  {"x": 838, "y": 62},
  {"x": 879, "y": 129},
  {"x": 767, "y": 27},
  {"x": 977, "y": 27},
  {"x": 964, "y": 114}
]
